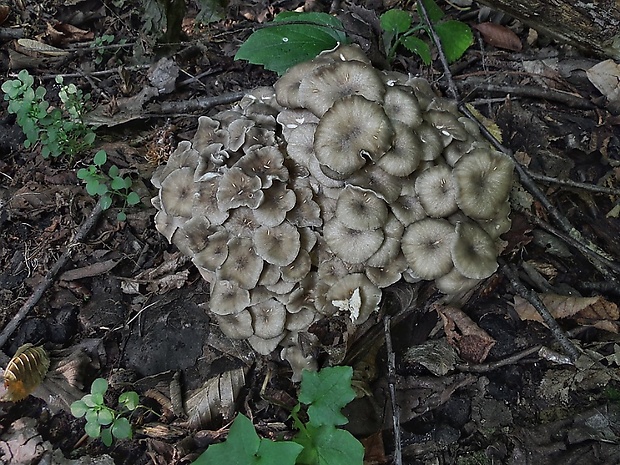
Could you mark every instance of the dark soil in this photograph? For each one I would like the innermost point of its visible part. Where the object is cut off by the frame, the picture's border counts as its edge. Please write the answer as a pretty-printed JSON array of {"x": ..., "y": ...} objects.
[{"x": 130, "y": 308}]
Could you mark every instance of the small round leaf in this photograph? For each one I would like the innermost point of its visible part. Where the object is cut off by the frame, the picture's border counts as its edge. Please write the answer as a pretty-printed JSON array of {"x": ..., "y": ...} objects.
[
  {"x": 100, "y": 385},
  {"x": 78, "y": 408},
  {"x": 121, "y": 428},
  {"x": 105, "y": 417},
  {"x": 92, "y": 429},
  {"x": 106, "y": 437}
]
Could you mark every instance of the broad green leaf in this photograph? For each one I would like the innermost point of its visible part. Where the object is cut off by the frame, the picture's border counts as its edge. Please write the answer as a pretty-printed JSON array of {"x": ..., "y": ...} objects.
[
  {"x": 113, "y": 172},
  {"x": 121, "y": 428},
  {"x": 133, "y": 199},
  {"x": 291, "y": 39},
  {"x": 97, "y": 398},
  {"x": 92, "y": 416},
  {"x": 456, "y": 37},
  {"x": 129, "y": 399},
  {"x": 105, "y": 417},
  {"x": 93, "y": 429},
  {"x": 121, "y": 216},
  {"x": 106, "y": 437},
  {"x": 419, "y": 47},
  {"x": 240, "y": 447},
  {"x": 117, "y": 184},
  {"x": 88, "y": 400},
  {"x": 280, "y": 453},
  {"x": 326, "y": 392},
  {"x": 106, "y": 202},
  {"x": 100, "y": 158},
  {"x": 100, "y": 386},
  {"x": 92, "y": 187},
  {"x": 102, "y": 189},
  {"x": 434, "y": 12},
  {"x": 79, "y": 408},
  {"x": 327, "y": 445},
  {"x": 397, "y": 21}
]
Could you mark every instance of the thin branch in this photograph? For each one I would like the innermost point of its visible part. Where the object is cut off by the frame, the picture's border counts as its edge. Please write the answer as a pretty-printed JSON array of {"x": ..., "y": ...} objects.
[
  {"x": 575, "y": 184},
  {"x": 529, "y": 295},
  {"x": 47, "y": 281},
  {"x": 398, "y": 454}
]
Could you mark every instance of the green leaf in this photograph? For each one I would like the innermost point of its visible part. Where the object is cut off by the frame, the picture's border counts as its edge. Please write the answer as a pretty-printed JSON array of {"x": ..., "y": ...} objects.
[
  {"x": 106, "y": 436},
  {"x": 113, "y": 172},
  {"x": 100, "y": 158},
  {"x": 92, "y": 187},
  {"x": 133, "y": 199},
  {"x": 100, "y": 386},
  {"x": 97, "y": 398},
  {"x": 327, "y": 445},
  {"x": 121, "y": 216},
  {"x": 129, "y": 399},
  {"x": 326, "y": 392},
  {"x": 419, "y": 47},
  {"x": 93, "y": 429},
  {"x": 79, "y": 408},
  {"x": 88, "y": 401},
  {"x": 117, "y": 184},
  {"x": 240, "y": 447},
  {"x": 106, "y": 202},
  {"x": 92, "y": 416},
  {"x": 456, "y": 37},
  {"x": 121, "y": 428},
  {"x": 396, "y": 21},
  {"x": 244, "y": 447},
  {"x": 102, "y": 189},
  {"x": 278, "y": 45},
  {"x": 434, "y": 12},
  {"x": 83, "y": 173},
  {"x": 105, "y": 417}
]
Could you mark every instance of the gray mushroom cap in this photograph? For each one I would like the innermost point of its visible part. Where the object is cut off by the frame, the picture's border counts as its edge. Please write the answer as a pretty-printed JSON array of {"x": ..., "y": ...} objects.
[
  {"x": 242, "y": 265},
  {"x": 351, "y": 245},
  {"x": 236, "y": 189},
  {"x": 361, "y": 209},
  {"x": 266, "y": 163},
  {"x": 402, "y": 105},
  {"x": 268, "y": 318},
  {"x": 327, "y": 84},
  {"x": 427, "y": 246},
  {"x": 278, "y": 245},
  {"x": 405, "y": 154},
  {"x": 265, "y": 346},
  {"x": 236, "y": 326},
  {"x": 177, "y": 192},
  {"x": 483, "y": 180},
  {"x": 287, "y": 87},
  {"x": 228, "y": 298},
  {"x": 342, "y": 137},
  {"x": 278, "y": 201},
  {"x": 474, "y": 252},
  {"x": 346, "y": 289},
  {"x": 215, "y": 253},
  {"x": 436, "y": 191}
]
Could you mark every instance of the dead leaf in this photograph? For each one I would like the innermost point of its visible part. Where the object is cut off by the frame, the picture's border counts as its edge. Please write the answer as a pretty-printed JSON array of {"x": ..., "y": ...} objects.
[
  {"x": 35, "y": 48},
  {"x": 215, "y": 399},
  {"x": 499, "y": 36},
  {"x": 588, "y": 311},
  {"x": 605, "y": 77},
  {"x": 89, "y": 271},
  {"x": 472, "y": 342},
  {"x": 4, "y": 13}
]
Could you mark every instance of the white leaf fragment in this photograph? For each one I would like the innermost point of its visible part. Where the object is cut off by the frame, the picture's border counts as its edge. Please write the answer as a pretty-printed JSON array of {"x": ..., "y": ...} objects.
[{"x": 353, "y": 304}]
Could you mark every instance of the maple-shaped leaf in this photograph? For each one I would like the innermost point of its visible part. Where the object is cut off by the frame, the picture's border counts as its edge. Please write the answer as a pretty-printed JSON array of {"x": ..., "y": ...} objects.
[{"x": 326, "y": 392}]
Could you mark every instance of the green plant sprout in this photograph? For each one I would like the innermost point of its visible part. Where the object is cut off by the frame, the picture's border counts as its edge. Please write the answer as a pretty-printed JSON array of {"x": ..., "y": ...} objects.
[
  {"x": 97, "y": 45},
  {"x": 398, "y": 29},
  {"x": 318, "y": 441},
  {"x": 109, "y": 185},
  {"x": 59, "y": 130},
  {"x": 102, "y": 421}
]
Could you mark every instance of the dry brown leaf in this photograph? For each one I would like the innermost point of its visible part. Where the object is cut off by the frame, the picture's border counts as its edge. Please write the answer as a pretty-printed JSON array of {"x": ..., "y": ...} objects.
[
  {"x": 35, "y": 48},
  {"x": 605, "y": 76},
  {"x": 463, "y": 333},
  {"x": 215, "y": 399},
  {"x": 4, "y": 13},
  {"x": 595, "y": 311},
  {"x": 499, "y": 36}
]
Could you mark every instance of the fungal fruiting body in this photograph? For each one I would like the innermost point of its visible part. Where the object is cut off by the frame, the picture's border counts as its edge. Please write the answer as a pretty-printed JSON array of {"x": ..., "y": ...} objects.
[{"x": 335, "y": 183}]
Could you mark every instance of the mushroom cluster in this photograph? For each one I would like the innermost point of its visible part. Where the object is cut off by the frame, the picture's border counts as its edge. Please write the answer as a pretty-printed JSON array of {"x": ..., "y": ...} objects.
[{"x": 306, "y": 199}]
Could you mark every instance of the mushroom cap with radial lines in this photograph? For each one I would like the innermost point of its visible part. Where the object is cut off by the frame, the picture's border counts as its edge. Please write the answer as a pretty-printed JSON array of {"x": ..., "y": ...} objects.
[
  {"x": 361, "y": 209},
  {"x": 215, "y": 253},
  {"x": 268, "y": 318},
  {"x": 327, "y": 84},
  {"x": 346, "y": 288},
  {"x": 177, "y": 192},
  {"x": 474, "y": 252},
  {"x": 278, "y": 245},
  {"x": 228, "y": 298},
  {"x": 436, "y": 191},
  {"x": 483, "y": 181},
  {"x": 278, "y": 201},
  {"x": 236, "y": 189},
  {"x": 402, "y": 105},
  {"x": 287, "y": 87},
  {"x": 351, "y": 245},
  {"x": 342, "y": 138},
  {"x": 242, "y": 265},
  {"x": 405, "y": 154},
  {"x": 237, "y": 325},
  {"x": 267, "y": 163},
  {"x": 427, "y": 245}
]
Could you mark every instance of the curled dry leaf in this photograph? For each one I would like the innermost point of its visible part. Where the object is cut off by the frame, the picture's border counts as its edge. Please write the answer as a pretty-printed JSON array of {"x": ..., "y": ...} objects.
[
  {"x": 215, "y": 399},
  {"x": 594, "y": 311},
  {"x": 472, "y": 342},
  {"x": 499, "y": 36}
]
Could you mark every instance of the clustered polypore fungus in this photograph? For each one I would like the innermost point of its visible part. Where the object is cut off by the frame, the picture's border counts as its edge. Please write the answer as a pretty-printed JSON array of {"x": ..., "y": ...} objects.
[{"x": 306, "y": 199}]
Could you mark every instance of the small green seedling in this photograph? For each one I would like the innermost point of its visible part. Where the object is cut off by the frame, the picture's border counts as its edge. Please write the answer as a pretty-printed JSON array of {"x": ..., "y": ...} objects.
[
  {"x": 98, "y": 45},
  {"x": 109, "y": 185},
  {"x": 318, "y": 442},
  {"x": 59, "y": 130},
  {"x": 292, "y": 38},
  {"x": 398, "y": 29},
  {"x": 102, "y": 421}
]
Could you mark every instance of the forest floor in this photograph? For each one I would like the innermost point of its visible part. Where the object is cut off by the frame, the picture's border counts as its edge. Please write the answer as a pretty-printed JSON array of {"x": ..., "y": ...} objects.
[{"x": 126, "y": 305}]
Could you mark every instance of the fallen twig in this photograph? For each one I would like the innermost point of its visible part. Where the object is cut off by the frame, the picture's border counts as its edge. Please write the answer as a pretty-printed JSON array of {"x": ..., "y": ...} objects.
[
  {"x": 391, "y": 379},
  {"x": 80, "y": 235},
  {"x": 571, "y": 183}
]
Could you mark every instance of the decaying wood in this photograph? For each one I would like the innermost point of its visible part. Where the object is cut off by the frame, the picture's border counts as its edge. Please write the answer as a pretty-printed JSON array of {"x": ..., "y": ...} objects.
[{"x": 593, "y": 25}]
